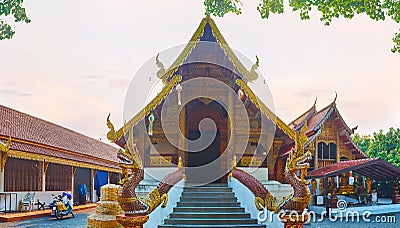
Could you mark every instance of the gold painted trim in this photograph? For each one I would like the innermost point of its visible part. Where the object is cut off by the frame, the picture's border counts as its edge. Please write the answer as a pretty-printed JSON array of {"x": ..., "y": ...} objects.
[
  {"x": 149, "y": 107},
  {"x": 264, "y": 109},
  {"x": 248, "y": 75},
  {"x": 39, "y": 157},
  {"x": 4, "y": 149}
]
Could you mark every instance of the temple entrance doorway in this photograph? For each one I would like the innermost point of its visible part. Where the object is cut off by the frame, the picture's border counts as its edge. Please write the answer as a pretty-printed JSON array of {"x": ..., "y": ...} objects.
[{"x": 206, "y": 165}]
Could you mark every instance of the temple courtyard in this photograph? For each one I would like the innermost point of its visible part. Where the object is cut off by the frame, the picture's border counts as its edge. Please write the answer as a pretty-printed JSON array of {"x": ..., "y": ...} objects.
[{"x": 81, "y": 217}]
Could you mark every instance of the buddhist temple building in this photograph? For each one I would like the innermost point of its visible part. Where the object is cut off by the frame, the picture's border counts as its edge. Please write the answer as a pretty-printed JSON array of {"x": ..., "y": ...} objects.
[
  {"x": 207, "y": 56},
  {"x": 44, "y": 158}
]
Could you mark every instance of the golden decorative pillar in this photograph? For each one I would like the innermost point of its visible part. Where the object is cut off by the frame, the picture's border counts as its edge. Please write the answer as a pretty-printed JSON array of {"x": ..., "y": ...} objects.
[
  {"x": 232, "y": 138},
  {"x": 337, "y": 147},
  {"x": 316, "y": 155},
  {"x": 182, "y": 133}
]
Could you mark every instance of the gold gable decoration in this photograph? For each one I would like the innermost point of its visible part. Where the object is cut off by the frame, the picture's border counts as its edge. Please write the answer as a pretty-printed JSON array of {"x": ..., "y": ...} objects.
[
  {"x": 144, "y": 112},
  {"x": 4, "y": 148},
  {"x": 161, "y": 161},
  {"x": 264, "y": 109},
  {"x": 251, "y": 161},
  {"x": 248, "y": 75}
]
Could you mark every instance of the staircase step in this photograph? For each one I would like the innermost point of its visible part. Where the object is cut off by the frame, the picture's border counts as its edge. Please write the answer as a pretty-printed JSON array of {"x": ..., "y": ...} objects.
[
  {"x": 208, "y": 204},
  {"x": 212, "y": 205},
  {"x": 208, "y": 209},
  {"x": 208, "y": 199},
  {"x": 208, "y": 194},
  {"x": 216, "y": 226},
  {"x": 208, "y": 215},
  {"x": 203, "y": 221},
  {"x": 207, "y": 189}
]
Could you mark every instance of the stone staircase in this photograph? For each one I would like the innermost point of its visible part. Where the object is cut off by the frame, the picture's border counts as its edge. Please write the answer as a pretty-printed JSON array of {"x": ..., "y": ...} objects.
[{"x": 212, "y": 205}]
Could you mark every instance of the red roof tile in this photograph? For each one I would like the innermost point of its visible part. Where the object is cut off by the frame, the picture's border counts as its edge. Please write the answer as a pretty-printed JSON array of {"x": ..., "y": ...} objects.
[
  {"x": 375, "y": 168},
  {"x": 18, "y": 125}
]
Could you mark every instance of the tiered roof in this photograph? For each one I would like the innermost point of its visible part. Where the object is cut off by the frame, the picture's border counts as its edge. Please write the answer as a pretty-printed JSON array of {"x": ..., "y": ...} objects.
[
  {"x": 315, "y": 120},
  {"x": 207, "y": 32},
  {"x": 37, "y": 139}
]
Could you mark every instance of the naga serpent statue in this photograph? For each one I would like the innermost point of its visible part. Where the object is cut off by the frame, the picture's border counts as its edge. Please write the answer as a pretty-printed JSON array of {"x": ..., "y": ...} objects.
[
  {"x": 298, "y": 160},
  {"x": 131, "y": 204}
]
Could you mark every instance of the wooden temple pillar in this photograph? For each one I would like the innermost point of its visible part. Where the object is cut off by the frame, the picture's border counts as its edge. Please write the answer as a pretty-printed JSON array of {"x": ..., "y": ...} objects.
[
  {"x": 181, "y": 135},
  {"x": 232, "y": 126},
  {"x": 395, "y": 195}
]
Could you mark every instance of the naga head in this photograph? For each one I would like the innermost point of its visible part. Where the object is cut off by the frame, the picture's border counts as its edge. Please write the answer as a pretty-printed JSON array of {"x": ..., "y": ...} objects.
[
  {"x": 298, "y": 158},
  {"x": 130, "y": 156}
]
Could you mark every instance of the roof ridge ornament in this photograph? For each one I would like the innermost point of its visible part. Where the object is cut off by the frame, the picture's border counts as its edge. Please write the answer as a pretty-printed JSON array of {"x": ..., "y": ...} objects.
[
  {"x": 334, "y": 101},
  {"x": 111, "y": 135},
  {"x": 253, "y": 75},
  {"x": 315, "y": 102},
  {"x": 161, "y": 69}
]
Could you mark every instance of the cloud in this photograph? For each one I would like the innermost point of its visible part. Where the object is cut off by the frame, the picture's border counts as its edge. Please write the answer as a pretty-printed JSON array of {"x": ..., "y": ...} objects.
[
  {"x": 91, "y": 76},
  {"x": 14, "y": 92},
  {"x": 310, "y": 92},
  {"x": 118, "y": 82}
]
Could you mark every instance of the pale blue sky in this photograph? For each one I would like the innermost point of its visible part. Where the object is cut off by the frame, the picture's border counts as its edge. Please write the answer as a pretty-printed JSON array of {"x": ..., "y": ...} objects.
[{"x": 73, "y": 63}]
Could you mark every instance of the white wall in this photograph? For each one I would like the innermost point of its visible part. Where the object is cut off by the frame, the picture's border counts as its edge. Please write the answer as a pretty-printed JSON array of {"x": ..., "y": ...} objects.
[
  {"x": 159, "y": 214},
  {"x": 156, "y": 174},
  {"x": 260, "y": 174},
  {"x": 41, "y": 195},
  {"x": 246, "y": 199}
]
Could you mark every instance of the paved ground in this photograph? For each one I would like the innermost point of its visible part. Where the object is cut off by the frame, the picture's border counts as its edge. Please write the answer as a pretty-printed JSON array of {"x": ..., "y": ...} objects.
[
  {"x": 379, "y": 221},
  {"x": 47, "y": 221},
  {"x": 80, "y": 221}
]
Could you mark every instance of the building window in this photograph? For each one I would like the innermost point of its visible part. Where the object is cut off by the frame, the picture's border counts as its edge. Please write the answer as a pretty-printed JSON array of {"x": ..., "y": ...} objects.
[
  {"x": 58, "y": 177},
  {"x": 332, "y": 150},
  {"x": 22, "y": 175},
  {"x": 326, "y": 151}
]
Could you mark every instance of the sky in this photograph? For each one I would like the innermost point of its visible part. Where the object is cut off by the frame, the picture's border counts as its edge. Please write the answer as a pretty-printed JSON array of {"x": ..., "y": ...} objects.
[{"x": 73, "y": 63}]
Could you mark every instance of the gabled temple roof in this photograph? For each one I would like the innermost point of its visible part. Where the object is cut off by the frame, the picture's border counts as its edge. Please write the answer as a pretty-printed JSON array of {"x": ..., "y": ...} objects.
[
  {"x": 299, "y": 121},
  {"x": 316, "y": 119},
  {"x": 207, "y": 31},
  {"x": 34, "y": 138}
]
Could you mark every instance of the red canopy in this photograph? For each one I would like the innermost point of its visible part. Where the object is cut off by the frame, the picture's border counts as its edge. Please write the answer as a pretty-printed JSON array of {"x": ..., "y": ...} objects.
[{"x": 374, "y": 168}]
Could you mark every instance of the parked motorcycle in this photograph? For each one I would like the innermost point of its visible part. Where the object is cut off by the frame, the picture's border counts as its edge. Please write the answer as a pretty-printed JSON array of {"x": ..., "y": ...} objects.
[{"x": 59, "y": 209}]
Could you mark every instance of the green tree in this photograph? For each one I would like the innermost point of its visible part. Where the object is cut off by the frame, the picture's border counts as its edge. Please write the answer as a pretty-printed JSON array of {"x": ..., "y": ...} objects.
[
  {"x": 374, "y": 9},
  {"x": 14, "y": 9},
  {"x": 381, "y": 145}
]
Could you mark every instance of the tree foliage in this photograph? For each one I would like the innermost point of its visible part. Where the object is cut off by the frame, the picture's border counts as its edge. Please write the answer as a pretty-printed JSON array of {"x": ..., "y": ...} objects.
[
  {"x": 381, "y": 145},
  {"x": 329, "y": 9},
  {"x": 12, "y": 8}
]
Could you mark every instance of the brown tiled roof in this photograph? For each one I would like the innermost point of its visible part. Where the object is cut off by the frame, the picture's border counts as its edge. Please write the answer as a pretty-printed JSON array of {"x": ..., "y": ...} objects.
[
  {"x": 31, "y": 134},
  {"x": 375, "y": 168},
  {"x": 299, "y": 120},
  {"x": 317, "y": 119}
]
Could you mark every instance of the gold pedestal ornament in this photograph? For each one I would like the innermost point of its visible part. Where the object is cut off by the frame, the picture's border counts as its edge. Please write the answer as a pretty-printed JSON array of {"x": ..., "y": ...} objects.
[
  {"x": 293, "y": 220},
  {"x": 132, "y": 221},
  {"x": 107, "y": 209}
]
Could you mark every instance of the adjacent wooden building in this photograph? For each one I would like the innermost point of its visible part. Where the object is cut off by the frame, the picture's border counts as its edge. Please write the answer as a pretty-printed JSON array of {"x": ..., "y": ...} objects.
[{"x": 46, "y": 158}]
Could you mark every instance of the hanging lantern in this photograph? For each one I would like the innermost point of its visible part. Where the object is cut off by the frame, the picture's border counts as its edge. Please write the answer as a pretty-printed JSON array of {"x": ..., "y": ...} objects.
[
  {"x": 151, "y": 120},
  {"x": 240, "y": 94},
  {"x": 179, "y": 90}
]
